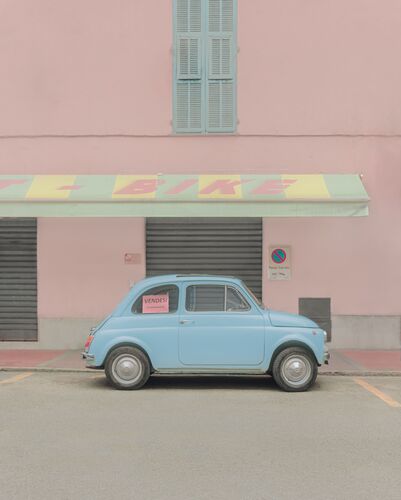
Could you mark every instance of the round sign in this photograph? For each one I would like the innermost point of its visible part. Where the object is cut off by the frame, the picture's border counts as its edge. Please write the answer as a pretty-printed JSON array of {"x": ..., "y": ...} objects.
[{"x": 279, "y": 255}]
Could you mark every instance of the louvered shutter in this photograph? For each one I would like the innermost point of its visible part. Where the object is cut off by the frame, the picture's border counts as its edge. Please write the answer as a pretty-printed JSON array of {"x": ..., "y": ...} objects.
[
  {"x": 188, "y": 66},
  {"x": 221, "y": 67},
  {"x": 18, "y": 280},
  {"x": 223, "y": 246},
  {"x": 188, "y": 58}
]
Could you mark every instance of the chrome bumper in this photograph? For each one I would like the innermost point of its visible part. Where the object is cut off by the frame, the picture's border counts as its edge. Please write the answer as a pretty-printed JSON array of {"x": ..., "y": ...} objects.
[
  {"x": 326, "y": 357},
  {"x": 90, "y": 359}
]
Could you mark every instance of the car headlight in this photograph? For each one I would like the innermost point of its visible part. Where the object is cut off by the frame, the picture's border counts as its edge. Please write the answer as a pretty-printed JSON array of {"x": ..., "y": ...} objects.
[{"x": 325, "y": 336}]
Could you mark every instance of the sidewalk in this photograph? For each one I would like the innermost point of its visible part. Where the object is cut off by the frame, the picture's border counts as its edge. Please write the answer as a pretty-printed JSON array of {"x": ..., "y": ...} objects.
[{"x": 342, "y": 362}]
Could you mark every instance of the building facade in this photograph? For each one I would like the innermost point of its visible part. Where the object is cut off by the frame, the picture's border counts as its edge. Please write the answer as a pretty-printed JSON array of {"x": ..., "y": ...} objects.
[{"x": 268, "y": 123}]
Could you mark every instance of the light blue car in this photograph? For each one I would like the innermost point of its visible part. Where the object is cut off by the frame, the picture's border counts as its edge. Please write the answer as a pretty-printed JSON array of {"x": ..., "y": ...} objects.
[{"x": 195, "y": 324}]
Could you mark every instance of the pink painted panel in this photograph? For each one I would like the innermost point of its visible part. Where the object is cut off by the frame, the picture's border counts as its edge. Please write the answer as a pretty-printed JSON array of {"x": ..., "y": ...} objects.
[
  {"x": 331, "y": 257},
  {"x": 105, "y": 67},
  {"x": 322, "y": 67},
  {"x": 81, "y": 266},
  {"x": 355, "y": 261},
  {"x": 95, "y": 70},
  {"x": 92, "y": 67}
]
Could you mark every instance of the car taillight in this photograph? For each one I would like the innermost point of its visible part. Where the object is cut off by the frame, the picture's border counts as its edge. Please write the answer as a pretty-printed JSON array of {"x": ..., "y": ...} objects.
[{"x": 88, "y": 342}]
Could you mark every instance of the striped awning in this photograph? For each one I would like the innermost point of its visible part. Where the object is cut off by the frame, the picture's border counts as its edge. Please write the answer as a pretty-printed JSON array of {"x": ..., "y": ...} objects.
[{"x": 182, "y": 195}]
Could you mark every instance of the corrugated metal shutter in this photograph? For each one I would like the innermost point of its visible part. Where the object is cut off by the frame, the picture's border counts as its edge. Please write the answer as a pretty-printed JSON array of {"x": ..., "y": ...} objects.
[
  {"x": 226, "y": 246},
  {"x": 18, "y": 280}
]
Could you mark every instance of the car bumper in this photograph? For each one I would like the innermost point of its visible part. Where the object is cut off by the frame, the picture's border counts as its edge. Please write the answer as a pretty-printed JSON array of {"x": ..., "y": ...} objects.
[
  {"x": 326, "y": 357},
  {"x": 90, "y": 360}
]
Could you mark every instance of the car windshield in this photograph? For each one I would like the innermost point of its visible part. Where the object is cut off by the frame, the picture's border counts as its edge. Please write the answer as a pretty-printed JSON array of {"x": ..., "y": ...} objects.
[{"x": 258, "y": 301}]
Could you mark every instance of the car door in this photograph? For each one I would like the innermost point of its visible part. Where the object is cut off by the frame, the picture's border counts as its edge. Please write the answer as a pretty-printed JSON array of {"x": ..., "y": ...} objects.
[
  {"x": 153, "y": 319},
  {"x": 219, "y": 327}
]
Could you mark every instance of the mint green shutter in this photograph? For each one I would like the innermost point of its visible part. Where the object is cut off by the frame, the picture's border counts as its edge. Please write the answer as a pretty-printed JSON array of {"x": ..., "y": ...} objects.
[
  {"x": 220, "y": 88},
  {"x": 204, "y": 66},
  {"x": 188, "y": 116}
]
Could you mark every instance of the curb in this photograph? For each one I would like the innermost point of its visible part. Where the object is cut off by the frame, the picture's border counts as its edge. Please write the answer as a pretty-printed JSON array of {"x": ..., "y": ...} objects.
[
  {"x": 356, "y": 373},
  {"x": 359, "y": 373},
  {"x": 45, "y": 369}
]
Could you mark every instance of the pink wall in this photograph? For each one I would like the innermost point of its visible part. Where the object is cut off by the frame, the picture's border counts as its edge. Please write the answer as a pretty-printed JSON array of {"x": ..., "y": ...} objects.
[
  {"x": 104, "y": 67},
  {"x": 319, "y": 67},
  {"x": 81, "y": 270},
  {"x": 353, "y": 260},
  {"x": 318, "y": 91},
  {"x": 93, "y": 66}
]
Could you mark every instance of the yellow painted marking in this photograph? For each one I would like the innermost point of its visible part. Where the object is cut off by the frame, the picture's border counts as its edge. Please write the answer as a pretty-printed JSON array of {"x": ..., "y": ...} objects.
[
  {"x": 16, "y": 378},
  {"x": 381, "y": 395},
  {"x": 306, "y": 187},
  {"x": 123, "y": 181},
  {"x": 47, "y": 187},
  {"x": 208, "y": 180}
]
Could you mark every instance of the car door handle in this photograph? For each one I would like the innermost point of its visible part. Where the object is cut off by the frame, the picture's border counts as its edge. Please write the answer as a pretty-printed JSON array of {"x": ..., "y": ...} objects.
[{"x": 186, "y": 321}]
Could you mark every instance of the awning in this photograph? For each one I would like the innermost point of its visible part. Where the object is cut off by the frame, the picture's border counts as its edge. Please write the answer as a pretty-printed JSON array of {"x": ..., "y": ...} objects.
[{"x": 309, "y": 195}]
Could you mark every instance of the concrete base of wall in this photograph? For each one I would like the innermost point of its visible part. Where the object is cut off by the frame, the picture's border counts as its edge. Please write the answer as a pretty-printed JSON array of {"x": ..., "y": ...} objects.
[
  {"x": 58, "y": 333},
  {"x": 366, "y": 332},
  {"x": 349, "y": 332}
]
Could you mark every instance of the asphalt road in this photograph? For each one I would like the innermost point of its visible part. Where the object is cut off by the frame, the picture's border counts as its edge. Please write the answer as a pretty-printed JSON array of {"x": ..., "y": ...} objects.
[{"x": 71, "y": 436}]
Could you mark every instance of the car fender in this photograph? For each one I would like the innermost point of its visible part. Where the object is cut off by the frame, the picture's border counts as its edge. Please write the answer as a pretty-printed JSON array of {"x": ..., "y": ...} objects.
[
  {"x": 293, "y": 340},
  {"x": 120, "y": 342}
]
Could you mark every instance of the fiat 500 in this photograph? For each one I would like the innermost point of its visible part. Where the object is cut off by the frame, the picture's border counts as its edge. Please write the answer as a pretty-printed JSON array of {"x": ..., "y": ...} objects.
[{"x": 203, "y": 325}]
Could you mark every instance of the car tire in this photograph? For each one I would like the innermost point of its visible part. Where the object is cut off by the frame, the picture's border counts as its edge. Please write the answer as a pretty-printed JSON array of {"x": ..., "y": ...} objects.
[
  {"x": 127, "y": 368},
  {"x": 294, "y": 369}
]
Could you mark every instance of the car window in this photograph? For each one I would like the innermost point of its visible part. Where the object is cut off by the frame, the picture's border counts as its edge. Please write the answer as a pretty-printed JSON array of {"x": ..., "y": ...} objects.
[
  {"x": 214, "y": 298},
  {"x": 235, "y": 301},
  {"x": 157, "y": 300},
  {"x": 256, "y": 299},
  {"x": 205, "y": 298}
]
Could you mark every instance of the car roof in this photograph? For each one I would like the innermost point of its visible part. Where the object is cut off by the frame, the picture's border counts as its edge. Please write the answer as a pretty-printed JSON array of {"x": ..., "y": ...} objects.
[{"x": 186, "y": 277}]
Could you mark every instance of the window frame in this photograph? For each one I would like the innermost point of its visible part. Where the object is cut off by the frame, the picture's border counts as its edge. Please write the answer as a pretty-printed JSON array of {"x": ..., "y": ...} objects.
[{"x": 226, "y": 286}]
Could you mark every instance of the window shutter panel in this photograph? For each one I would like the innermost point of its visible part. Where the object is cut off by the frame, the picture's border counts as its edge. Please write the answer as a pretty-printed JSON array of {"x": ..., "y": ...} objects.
[
  {"x": 188, "y": 67},
  {"x": 188, "y": 58},
  {"x": 220, "y": 57},
  {"x": 188, "y": 106},
  {"x": 220, "y": 105},
  {"x": 221, "y": 66}
]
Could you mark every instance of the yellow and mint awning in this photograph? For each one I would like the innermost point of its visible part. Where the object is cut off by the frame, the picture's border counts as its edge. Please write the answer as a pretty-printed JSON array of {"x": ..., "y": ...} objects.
[{"x": 182, "y": 195}]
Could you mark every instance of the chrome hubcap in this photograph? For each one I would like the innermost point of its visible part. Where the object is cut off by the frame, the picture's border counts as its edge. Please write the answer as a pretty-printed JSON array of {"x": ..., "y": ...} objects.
[
  {"x": 296, "y": 370},
  {"x": 127, "y": 369}
]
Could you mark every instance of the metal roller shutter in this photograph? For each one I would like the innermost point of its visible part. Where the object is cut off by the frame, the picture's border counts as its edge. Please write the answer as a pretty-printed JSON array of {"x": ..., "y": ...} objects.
[
  {"x": 18, "y": 280},
  {"x": 226, "y": 246}
]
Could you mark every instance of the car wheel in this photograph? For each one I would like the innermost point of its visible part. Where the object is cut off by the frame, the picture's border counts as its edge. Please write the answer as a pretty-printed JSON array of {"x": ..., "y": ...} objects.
[
  {"x": 294, "y": 369},
  {"x": 127, "y": 368}
]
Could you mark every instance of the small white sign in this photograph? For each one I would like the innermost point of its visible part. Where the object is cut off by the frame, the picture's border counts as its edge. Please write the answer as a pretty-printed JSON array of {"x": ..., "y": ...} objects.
[{"x": 279, "y": 262}]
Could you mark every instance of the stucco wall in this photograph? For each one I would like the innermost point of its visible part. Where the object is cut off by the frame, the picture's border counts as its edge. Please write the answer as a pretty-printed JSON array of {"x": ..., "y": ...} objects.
[
  {"x": 104, "y": 67},
  {"x": 86, "y": 88},
  {"x": 81, "y": 269},
  {"x": 353, "y": 260}
]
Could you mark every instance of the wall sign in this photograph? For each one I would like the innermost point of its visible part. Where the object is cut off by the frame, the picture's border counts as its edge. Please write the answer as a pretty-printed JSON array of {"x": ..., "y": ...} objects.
[
  {"x": 279, "y": 262},
  {"x": 132, "y": 258}
]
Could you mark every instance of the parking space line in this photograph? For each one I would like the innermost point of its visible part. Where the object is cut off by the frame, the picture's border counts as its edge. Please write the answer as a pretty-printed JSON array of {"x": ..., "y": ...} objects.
[
  {"x": 16, "y": 378},
  {"x": 381, "y": 395}
]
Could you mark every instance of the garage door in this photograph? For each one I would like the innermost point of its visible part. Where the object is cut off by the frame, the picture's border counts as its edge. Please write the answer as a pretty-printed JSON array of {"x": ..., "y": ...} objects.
[
  {"x": 224, "y": 246},
  {"x": 18, "y": 280}
]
